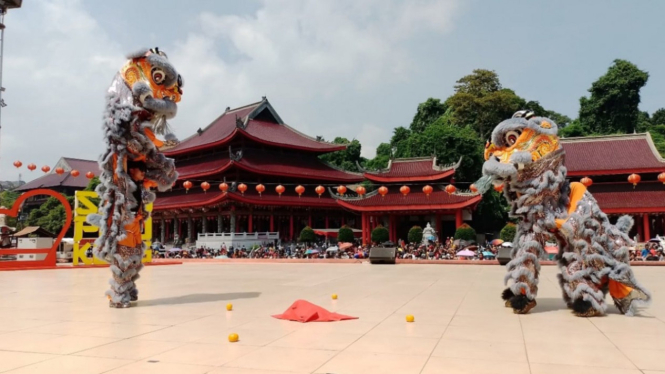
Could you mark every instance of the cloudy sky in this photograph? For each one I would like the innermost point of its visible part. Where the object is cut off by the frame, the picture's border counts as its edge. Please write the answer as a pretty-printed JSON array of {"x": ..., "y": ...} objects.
[{"x": 330, "y": 67}]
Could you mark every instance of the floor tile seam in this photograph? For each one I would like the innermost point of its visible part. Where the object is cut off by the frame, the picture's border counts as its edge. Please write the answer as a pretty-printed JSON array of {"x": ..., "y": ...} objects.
[
  {"x": 376, "y": 325},
  {"x": 484, "y": 359},
  {"x": 526, "y": 351},
  {"x": 116, "y": 341},
  {"x": 614, "y": 344},
  {"x": 257, "y": 347},
  {"x": 33, "y": 363}
]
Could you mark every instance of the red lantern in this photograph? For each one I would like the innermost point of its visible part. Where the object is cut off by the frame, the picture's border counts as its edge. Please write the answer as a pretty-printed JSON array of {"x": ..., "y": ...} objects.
[
  {"x": 46, "y": 168},
  {"x": 427, "y": 190},
  {"x": 242, "y": 188},
  {"x": 89, "y": 175},
  {"x": 383, "y": 191},
  {"x": 498, "y": 188},
  {"x": 75, "y": 173},
  {"x": 59, "y": 171},
  {"x": 205, "y": 186},
  {"x": 260, "y": 188},
  {"x": 450, "y": 189},
  {"x": 280, "y": 190},
  {"x": 661, "y": 177},
  {"x": 299, "y": 190},
  {"x": 586, "y": 181},
  {"x": 320, "y": 190},
  {"x": 634, "y": 179},
  {"x": 18, "y": 164},
  {"x": 473, "y": 188},
  {"x": 32, "y": 167},
  {"x": 223, "y": 187},
  {"x": 360, "y": 190},
  {"x": 405, "y": 190},
  {"x": 341, "y": 190},
  {"x": 187, "y": 185}
]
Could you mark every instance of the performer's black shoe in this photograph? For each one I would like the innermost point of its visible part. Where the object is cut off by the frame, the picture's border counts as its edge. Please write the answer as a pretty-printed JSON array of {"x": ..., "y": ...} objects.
[
  {"x": 583, "y": 308},
  {"x": 521, "y": 304},
  {"x": 506, "y": 295}
]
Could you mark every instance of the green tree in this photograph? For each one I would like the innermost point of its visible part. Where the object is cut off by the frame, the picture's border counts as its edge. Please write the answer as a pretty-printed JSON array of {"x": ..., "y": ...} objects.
[
  {"x": 380, "y": 234},
  {"x": 380, "y": 161},
  {"x": 574, "y": 129},
  {"x": 560, "y": 119},
  {"x": 400, "y": 134},
  {"x": 508, "y": 232},
  {"x": 51, "y": 215},
  {"x": 345, "y": 235},
  {"x": 613, "y": 104},
  {"x": 427, "y": 113},
  {"x": 658, "y": 117},
  {"x": 415, "y": 235},
  {"x": 465, "y": 232},
  {"x": 492, "y": 211},
  {"x": 448, "y": 143},
  {"x": 307, "y": 235},
  {"x": 7, "y": 199},
  {"x": 347, "y": 158}
]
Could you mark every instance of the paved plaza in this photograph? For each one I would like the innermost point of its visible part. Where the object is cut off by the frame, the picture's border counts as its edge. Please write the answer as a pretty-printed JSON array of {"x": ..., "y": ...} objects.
[{"x": 58, "y": 321}]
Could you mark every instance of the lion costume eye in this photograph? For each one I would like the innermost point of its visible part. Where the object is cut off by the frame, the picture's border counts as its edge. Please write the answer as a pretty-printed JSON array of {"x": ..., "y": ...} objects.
[
  {"x": 511, "y": 137},
  {"x": 158, "y": 76}
]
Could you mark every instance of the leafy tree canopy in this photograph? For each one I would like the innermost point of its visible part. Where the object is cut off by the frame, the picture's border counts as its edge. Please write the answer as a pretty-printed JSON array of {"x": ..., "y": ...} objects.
[
  {"x": 345, "y": 235},
  {"x": 427, "y": 113},
  {"x": 307, "y": 235},
  {"x": 380, "y": 234},
  {"x": 347, "y": 158}
]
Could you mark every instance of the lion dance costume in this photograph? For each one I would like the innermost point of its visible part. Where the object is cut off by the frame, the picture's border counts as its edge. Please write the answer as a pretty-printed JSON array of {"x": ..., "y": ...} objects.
[
  {"x": 526, "y": 160},
  {"x": 142, "y": 96}
]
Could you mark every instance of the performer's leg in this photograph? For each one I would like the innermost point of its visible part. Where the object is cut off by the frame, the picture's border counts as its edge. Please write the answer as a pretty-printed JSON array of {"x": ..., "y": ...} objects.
[
  {"x": 124, "y": 266},
  {"x": 582, "y": 292},
  {"x": 138, "y": 265},
  {"x": 523, "y": 270}
]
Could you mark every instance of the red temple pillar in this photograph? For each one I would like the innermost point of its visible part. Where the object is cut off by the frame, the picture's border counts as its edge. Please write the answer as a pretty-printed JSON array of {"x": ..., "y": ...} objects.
[
  {"x": 250, "y": 223},
  {"x": 272, "y": 222},
  {"x": 391, "y": 228},
  {"x": 458, "y": 218},
  {"x": 291, "y": 226},
  {"x": 646, "y": 224},
  {"x": 438, "y": 227},
  {"x": 364, "y": 228},
  {"x": 343, "y": 221}
]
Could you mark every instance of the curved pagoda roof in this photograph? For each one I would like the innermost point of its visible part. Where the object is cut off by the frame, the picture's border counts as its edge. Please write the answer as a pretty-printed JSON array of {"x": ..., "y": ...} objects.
[
  {"x": 264, "y": 163},
  {"x": 417, "y": 169},
  {"x": 415, "y": 201},
  {"x": 55, "y": 180},
  {"x": 612, "y": 155},
  {"x": 258, "y": 122}
]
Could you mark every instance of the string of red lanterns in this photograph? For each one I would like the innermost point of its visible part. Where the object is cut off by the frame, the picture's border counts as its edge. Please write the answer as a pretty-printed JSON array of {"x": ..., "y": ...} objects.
[
  {"x": 634, "y": 179},
  {"x": 319, "y": 190},
  {"x": 383, "y": 191},
  {"x": 260, "y": 188},
  {"x": 300, "y": 189}
]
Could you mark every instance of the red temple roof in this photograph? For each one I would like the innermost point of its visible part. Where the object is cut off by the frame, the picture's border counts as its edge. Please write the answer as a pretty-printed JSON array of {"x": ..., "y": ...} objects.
[
  {"x": 414, "y": 201},
  {"x": 54, "y": 180},
  {"x": 265, "y": 163},
  {"x": 623, "y": 198},
  {"x": 612, "y": 154},
  {"x": 257, "y": 121},
  {"x": 418, "y": 169},
  {"x": 195, "y": 199}
]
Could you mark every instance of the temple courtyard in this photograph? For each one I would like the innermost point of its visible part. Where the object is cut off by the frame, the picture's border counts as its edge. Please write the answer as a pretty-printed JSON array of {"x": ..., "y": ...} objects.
[{"x": 58, "y": 321}]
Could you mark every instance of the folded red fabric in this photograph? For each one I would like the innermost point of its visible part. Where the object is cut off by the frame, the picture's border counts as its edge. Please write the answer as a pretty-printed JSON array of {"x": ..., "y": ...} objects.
[{"x": 304, "y": 311}]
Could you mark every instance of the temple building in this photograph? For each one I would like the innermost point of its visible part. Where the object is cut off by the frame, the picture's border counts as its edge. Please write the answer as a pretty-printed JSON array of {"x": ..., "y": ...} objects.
[
  {"x": 399, "y": 212},
  {"x": 608, "y": 161},
  {"x": 243, "y": 148}
]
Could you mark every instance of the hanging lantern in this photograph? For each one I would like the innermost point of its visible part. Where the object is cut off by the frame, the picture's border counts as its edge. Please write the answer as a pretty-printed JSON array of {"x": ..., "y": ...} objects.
[
  {"x": 383, "y": 191},
  {"x": 280, "y": 190},
  {"x": 299, "y": 190},
  {"x": 320, "y": 190},
  {"x": 223, "y": 187},
  {"x": 18, "y": 164},
  {"x": 427, "y": 190},
  {"x": 89, "y": 175},
  {"x": 187, "y": 185},
  {"x": 46, "y": 168},
  {"x": 205, "y": 186},
  {"x": 75, "y": 173},
  {"x": 341, "y": 190},
  {"x": 661, "y": 177},
  {"x": 405, "y": 190},
  {"x": 586, "y": 181},
  {"x": 59, "y": 171},
  {"x": 450, "y": 189},
  {"x": 634, "y": 179},
  {"x": 242, "y": 188},
  {"x": 498, "y": 188},
  {"x": 473, "y": 188},
  {"x": 32, "y": 167},
  {"x": 360, "y": 190},
  {"x": 260, "y": 188}
]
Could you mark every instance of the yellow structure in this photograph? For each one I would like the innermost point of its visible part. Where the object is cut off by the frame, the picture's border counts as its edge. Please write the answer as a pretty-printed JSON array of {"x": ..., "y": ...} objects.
[{"x": 83, "y": 205}]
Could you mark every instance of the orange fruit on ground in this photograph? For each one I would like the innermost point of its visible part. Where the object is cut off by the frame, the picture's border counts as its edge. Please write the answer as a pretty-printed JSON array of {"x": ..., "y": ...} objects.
[
  {"x": 233, "y": 337},
  {"x": 334, "y": 296},
  {"x": 229, "y": 306},
  {"x": 410, "y": 318}
]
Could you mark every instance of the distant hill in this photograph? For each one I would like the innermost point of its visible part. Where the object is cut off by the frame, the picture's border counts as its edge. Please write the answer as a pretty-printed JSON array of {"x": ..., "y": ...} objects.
[{"x": 10, "y": 185}]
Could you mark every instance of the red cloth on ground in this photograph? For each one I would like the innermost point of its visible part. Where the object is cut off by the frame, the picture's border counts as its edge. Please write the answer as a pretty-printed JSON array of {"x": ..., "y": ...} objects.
[{"x": 304, "y": 311}]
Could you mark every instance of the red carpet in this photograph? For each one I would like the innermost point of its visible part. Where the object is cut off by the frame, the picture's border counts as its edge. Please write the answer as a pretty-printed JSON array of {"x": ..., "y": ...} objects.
[{"x": 304, "y": 311}]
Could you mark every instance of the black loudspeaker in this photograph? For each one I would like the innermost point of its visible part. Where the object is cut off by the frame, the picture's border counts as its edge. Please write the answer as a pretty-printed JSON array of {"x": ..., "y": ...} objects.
[
  {"x": 504, "y": 255},
  {"x": 382, "y": 255}
]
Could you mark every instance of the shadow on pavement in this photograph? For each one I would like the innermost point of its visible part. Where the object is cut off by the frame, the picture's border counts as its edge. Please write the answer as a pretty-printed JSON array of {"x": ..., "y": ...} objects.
[{"x": 198, "y": 298}]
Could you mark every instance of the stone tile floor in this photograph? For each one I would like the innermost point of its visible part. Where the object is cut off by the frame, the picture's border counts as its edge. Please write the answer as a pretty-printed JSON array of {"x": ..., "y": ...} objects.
[{"x": 58, "y": 321}]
